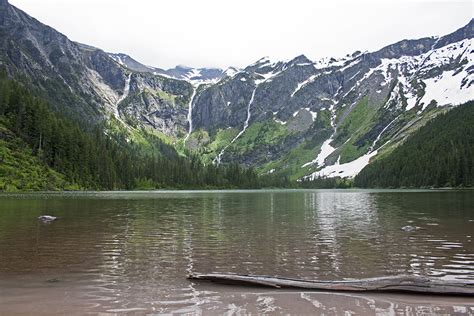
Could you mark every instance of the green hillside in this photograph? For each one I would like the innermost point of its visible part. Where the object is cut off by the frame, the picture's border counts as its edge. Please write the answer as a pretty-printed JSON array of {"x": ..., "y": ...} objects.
[{"x": 440, "y": 154}]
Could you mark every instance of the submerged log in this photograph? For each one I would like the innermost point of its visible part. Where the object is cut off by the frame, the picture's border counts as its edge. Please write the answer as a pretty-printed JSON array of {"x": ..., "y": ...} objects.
[{"x": 402, "y": 283}]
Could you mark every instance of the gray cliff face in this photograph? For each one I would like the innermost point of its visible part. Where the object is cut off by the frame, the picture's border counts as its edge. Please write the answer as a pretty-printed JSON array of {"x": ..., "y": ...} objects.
[
  {"x": 80, "y": 80},
  {"x": 294, "y": 117},
  {"x": 39, "y": 52},
  {"x": 158, "y": 103},
  {"x": 224, "y": 104}
]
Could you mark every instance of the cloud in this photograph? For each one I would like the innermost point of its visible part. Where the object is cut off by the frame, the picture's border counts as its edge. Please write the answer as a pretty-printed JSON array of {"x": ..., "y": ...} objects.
[{"x": 224, "y": 33}]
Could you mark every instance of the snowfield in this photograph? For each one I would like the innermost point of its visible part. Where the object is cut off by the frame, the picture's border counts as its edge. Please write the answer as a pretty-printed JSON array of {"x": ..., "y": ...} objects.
[{"x": 346, "y": 170}]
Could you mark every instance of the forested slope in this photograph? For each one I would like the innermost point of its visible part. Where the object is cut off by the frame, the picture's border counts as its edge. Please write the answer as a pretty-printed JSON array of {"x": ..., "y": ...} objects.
[
  {"x": 440, "y": 154},
  {"x": 43, "y": 150}
]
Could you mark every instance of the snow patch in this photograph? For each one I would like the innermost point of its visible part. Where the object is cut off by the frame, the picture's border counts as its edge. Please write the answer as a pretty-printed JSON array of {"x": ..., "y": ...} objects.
[
  {"x": 351, "y": 64},
  {"x": 346, "y": 170},
  {"x": 266, "y": 76},
  {"x": 326, "y": 150},
  {"x": 280, "y": 121},
  {"x": 314, "y": 115},
  {"x": 345, "y": 62},
  {"x": 120, "y": 61},
  {"x": 194, "y": 77},
  {"x": 264, "y": 61},
  {"x": 304, "y": 83},
  {"x": 447, "y": 89},
  {"x": 231, "y": 71},
  {"x": 192, "y": 74}
]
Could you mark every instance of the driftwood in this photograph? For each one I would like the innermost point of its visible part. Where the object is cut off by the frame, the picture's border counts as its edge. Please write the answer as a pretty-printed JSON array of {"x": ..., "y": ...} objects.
[{"x": 402, "y": 283}]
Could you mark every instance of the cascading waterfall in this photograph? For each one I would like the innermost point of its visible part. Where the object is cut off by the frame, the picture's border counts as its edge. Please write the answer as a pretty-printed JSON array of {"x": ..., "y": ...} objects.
[
  {"x": 126, "y": 92},
  {"x": 218, "y": 158},
  {"x": 190, "y": 114},
  {"x": 371, "y": 149}
]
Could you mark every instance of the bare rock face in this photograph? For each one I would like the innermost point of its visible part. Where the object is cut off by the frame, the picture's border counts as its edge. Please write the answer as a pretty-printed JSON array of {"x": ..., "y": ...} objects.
[{"x": 157, "y": 102}]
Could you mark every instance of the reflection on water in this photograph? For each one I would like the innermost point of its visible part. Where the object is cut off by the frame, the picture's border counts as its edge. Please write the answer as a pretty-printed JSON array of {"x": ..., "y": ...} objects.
[{"x": 118, "y": 252}]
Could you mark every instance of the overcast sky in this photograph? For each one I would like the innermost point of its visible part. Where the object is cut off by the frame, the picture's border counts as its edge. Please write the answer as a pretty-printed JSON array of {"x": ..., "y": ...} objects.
[{"x": 219, "y": 33}]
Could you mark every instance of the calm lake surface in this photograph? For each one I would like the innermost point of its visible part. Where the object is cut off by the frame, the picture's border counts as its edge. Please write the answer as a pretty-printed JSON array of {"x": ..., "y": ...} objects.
[{"x": 114, "y": 252}]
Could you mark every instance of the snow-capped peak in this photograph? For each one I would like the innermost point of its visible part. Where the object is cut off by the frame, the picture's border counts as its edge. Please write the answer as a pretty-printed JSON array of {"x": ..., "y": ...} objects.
[{"x": 231, "y": 71}]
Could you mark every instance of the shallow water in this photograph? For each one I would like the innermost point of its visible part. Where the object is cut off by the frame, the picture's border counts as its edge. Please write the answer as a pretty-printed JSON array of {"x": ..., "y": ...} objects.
[{"x": 115, "y": 252}]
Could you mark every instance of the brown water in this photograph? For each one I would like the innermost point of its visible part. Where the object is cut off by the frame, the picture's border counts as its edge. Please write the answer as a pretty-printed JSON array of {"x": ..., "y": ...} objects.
[{"x": 131, "y": 251}]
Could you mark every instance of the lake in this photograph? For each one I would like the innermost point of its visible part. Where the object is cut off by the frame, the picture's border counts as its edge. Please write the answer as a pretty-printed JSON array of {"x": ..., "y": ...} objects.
[{"x": 113, "y": 252}]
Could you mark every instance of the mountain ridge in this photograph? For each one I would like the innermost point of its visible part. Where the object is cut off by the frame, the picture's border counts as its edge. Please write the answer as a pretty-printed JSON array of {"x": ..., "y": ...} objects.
[
  {"x": 180, "y": 72},
  {"x": 297, "y": 118}
]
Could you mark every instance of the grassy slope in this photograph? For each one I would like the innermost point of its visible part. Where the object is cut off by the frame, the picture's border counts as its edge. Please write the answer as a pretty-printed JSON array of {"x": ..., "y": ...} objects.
[
  {"x": 21, "y": 171},
  {"x": 206, "y": 146},
  {"x": 257, "y": 135},
  {"x": 290, "y": 165},
  {"x": 356, "y": 124}
]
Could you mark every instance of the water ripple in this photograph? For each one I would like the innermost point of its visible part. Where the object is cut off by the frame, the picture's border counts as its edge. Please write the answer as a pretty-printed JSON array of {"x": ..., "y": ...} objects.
[{"x": 126, "y": 253}]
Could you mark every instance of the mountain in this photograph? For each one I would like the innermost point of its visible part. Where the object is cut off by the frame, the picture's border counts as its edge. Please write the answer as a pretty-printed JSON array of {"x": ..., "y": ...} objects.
[
  {"x": 85, "y": 82},
  {"x": 299, "y": 118},
  {"x": 332, "y": 116}
]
